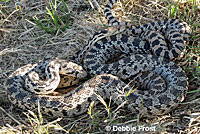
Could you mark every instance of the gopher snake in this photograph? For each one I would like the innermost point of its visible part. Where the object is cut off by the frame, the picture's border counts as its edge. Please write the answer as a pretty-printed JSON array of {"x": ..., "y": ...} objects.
[{"x": 145, "y": 60}]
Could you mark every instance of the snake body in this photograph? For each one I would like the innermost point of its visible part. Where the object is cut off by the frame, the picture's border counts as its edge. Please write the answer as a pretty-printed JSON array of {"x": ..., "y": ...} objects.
[{"x": 144, "y": 61}]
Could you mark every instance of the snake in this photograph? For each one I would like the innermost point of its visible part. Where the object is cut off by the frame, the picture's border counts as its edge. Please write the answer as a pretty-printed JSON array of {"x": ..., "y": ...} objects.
[{"x": 133, "y": 65}]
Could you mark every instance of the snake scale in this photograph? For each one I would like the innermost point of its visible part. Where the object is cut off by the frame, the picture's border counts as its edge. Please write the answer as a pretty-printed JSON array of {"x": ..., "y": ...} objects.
[{"x": 144, "y": 59}]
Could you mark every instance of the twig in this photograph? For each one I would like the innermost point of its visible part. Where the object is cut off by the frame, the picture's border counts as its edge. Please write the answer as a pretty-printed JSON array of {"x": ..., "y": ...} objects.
[{"x": 10, "y": 116}]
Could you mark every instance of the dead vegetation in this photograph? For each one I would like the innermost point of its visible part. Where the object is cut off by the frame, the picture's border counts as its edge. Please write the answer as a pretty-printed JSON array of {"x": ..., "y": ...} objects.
[{"x": 23, "y": 42}]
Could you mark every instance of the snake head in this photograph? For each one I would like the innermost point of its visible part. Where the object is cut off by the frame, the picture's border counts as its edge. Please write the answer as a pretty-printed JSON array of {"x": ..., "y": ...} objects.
[{"x": 72, "y": 69}]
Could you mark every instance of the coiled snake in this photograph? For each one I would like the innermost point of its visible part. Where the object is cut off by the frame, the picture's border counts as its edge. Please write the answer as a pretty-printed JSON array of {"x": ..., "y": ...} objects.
[{"x": 144, "y": 61}]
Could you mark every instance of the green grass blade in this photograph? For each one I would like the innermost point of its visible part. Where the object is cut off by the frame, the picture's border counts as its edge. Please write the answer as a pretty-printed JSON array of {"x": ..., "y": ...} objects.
[
  {"x": 42, "y": 26},
  {"x": 54, "y": 17},
  {"x": 40, "y": 114},
  {"x": 55, "y": 5},
  {"x": 65, "y": 5},
  {"x": 66, "y": 25},
  {"x": 50, "y": 4}
]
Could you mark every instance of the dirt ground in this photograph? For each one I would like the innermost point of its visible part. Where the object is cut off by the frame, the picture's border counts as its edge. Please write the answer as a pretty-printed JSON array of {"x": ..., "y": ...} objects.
[{"x": 23, "y": 42}]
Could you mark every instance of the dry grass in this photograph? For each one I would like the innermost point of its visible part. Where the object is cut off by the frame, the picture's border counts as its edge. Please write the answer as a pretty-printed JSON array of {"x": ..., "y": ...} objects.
[{"x": 23, "y": 42}]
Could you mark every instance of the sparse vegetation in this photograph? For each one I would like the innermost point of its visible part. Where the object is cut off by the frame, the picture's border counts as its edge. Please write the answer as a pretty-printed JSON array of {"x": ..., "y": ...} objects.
[
  {"x": 25, "y": 40},
  {"x": 52, "y": 14}
]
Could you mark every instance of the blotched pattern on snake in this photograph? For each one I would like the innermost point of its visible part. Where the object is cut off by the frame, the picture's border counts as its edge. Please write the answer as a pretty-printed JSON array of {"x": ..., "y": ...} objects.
[{"x": 144, "y": 53}]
